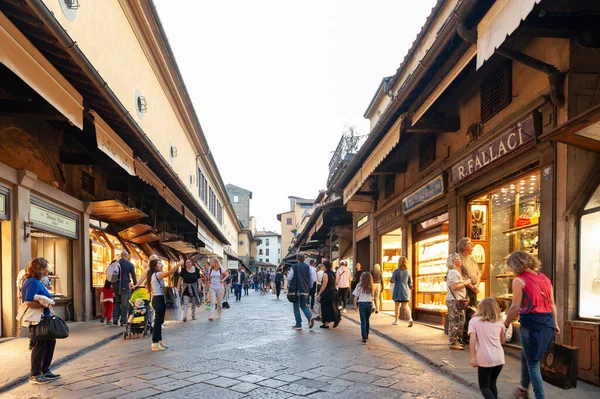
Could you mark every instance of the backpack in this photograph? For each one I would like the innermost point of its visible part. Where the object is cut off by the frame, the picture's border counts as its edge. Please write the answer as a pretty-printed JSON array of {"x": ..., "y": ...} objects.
[{"x": 112, "y": 272}]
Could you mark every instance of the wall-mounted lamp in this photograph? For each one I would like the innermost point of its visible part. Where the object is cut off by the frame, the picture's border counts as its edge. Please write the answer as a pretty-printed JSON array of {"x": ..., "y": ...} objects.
[
  {"x": 173, "y": 151},
  {"x": 72, "y": 4}
]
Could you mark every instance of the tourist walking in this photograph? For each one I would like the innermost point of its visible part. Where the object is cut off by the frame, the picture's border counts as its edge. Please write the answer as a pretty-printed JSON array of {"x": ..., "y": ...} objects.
[
  {"x": 216, "y": 279},
  {"x": 189, "y": 289},
  {"x": 456, "y": 301},
  {"x": 469, "y": 270},
  {"x": 240, "y": 281},
  {"x": 107, "y": 298},
  {"x": 327, "y": 297},
  {"x": 313, "y": 287},
  {"x": 533, "y": 300},
  {"x": 36, "y": 303},
  {"x": 300, "y": 281},
  {"x": 363, "y": 303},
  {"x": 377, "y": 287},
  {"x": 402, "y": 284},
  {"x": 247, "y": 285},
  {"x": 342, "y": 281},
  {"x": 122, "y": 291},
  {"x": 278, "y": 282},
  {"x": 486, "y": 332},
  {"x": 356, "y": 279},
  {"x": 155, "y": 284}
]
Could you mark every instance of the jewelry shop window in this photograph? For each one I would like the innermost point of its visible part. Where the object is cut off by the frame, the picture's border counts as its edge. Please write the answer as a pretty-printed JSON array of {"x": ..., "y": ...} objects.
[
  {"x": 589, "y": 258},
  {"x": 501, "y": 221}
]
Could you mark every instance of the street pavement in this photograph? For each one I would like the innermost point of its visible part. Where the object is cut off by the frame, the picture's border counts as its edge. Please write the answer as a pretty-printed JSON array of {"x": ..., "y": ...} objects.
[{"x": 252, "y": 352}]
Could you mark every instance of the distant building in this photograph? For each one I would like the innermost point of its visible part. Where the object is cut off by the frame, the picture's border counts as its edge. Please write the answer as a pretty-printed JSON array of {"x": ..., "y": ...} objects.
[
  {"x": 268, "y": 247},
  {"x": 300, "y": 208},
  {"x": 240, "y": 200}
]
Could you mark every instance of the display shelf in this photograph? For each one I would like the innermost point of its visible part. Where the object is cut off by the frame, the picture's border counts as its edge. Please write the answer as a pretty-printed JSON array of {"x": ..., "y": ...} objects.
[
  {"x": 440, "y": 291},
  {"x": 501, "y": 276},
  {"x": 432, "y": 274},
  {"x": 515, "y": 230},
  {"x": 426, "y": 262}
]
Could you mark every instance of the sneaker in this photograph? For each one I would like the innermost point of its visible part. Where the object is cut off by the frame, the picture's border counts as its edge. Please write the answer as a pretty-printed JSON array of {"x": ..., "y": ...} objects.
[
  {"x": 156, "y": 347},
  {"x": 410, "y": 323},
  {"x": 457, "y": 347},
  {"x": 395, "y": 323},
  {"x": 108, "y": 322},
  {"x": 193, "y": 317},
  {"x": 311, "y": 323},
  {"x": 50, "y": 375},
  {"x": 39, "y": 379},
  {"x": 163, "y": 344},
  {"x": 364, "y": 341},
  {"x": 101, "y": 319},
  {"x": 344, "y": 310},
  {"x": 184, "y": 319},
  {"x": 520, "y": 393},
  {"x": 297, "y": 328}
]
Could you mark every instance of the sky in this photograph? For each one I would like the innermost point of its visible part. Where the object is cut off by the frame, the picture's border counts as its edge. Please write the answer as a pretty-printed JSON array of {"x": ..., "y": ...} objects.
[{"x": 275, "y": 82}]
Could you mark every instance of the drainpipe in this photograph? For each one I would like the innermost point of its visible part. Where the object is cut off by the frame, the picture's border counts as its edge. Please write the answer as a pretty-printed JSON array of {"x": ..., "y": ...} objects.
[{"x": 556, "y": 78}]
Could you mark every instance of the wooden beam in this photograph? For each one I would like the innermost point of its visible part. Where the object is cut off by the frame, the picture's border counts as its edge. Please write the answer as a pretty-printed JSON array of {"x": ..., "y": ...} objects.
[{"x": 438, "y": 124}]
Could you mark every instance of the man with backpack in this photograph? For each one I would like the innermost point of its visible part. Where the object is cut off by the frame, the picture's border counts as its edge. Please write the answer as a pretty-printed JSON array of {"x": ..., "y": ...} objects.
[{"x": 121, "y": 288}]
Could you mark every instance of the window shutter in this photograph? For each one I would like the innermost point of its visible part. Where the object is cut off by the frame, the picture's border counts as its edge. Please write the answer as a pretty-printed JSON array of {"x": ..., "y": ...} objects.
[
  {"x": 390, "y": 182},
  {"x": 496, "y": 92},
  {"x": 426, "y": 152}
]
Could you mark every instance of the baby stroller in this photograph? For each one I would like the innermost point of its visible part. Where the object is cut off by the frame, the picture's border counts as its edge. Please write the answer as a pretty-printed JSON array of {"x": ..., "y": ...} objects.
[{"x": 141, "y": 323}]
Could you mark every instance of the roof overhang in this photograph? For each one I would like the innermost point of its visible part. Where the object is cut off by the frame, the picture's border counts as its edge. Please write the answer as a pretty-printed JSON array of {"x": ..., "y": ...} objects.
[
  {"x": 581, "y": 131},
  {"x": 116, "y": 211}
]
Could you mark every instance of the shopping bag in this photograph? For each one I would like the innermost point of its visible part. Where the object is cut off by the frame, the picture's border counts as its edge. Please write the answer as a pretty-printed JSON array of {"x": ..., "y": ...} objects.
[
  {"x": 560, "y": 366},
  {"x": 49, "y": 327}
]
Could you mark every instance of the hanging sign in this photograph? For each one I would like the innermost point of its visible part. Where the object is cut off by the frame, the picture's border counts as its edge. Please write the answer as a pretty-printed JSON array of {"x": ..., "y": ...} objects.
[
  {"x": 232, "y": 264},
  {"x": 511, "y": 141},
  {"x": 54, "y": 222},
  {"x": 424, "y": 194}
]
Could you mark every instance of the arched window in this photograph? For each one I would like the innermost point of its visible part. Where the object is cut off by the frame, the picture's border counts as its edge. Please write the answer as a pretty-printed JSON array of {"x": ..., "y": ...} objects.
[{"x": 589, "y": 259}]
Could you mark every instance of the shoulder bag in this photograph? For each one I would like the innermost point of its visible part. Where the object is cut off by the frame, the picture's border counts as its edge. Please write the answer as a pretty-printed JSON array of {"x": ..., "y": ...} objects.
[
  {"x": 462, "y": 304},
  {"x": 49, "y": 327},
  {"x": 167, "y": 293}
]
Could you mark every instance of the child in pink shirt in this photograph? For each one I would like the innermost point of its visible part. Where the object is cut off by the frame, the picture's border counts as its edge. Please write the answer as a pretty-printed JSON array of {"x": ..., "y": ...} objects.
[{"x": 487, "y": 334}]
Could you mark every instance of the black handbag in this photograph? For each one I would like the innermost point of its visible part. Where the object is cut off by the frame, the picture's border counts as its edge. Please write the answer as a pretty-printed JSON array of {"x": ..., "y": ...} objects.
[
  {"x": 49, "y": 327},
  {"x": 168, "y": 293},
  {"x": 292, "y": 297},
  {"x": 226, "y": 305}
]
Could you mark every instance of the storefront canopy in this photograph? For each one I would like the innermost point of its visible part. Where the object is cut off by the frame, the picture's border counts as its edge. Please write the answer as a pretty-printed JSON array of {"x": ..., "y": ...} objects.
[
  {"x": 116, "y": 211},
  {"x": 184, "y": 247},
  {"x": 582, "y": 131}
]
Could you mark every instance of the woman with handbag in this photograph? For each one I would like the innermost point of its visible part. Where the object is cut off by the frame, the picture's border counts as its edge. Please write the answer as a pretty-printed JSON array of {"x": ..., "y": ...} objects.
[
  {"x": 156, "y": 285},
  {"x": 216, "y": 278},
  {"x": 456, "y": 301},
  {"x": 400, "y": 285},
  {"x": 189, "y": 288},
  {"x": 533, "y": 299},
  {"x": 36, "y": 304},
  {"x": 327, "y": 297}
]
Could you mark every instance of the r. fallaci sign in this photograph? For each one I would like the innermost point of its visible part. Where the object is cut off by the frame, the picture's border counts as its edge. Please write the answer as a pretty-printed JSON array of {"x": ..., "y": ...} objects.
[{"x": 514, "y": 139}]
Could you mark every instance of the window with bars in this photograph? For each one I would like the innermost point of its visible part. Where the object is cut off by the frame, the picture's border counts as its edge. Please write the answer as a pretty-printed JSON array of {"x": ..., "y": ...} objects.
[
  {"x": 202, "y": 186},
  {"x": 496, "y": 92},
  {"x": 219, "y": 212},
  {"x": 389, "y": 185},
  {"x": 426, "y": 152}
]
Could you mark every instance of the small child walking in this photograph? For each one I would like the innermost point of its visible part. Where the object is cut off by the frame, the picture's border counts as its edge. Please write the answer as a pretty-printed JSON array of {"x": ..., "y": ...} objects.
[
  {"x": 363, "y": 303},
  {"x": 487, "y": 334},
  {"x": 107, "y": 299}
]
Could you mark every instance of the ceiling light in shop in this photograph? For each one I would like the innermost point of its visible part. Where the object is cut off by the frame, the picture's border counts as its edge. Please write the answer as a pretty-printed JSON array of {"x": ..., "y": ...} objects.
[{"x": 533, "y": 177}]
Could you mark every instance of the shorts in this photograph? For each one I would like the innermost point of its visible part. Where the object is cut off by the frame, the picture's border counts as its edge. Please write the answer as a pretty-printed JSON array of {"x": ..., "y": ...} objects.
[{"x": 402, "y": 301}]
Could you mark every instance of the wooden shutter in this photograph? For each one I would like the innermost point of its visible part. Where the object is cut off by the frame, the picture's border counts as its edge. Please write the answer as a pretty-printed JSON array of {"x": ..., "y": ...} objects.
[
  {"x": 496, "y": 92},
  {"x": 426, "y": 152},
  {"x": 390, "y": 185}
]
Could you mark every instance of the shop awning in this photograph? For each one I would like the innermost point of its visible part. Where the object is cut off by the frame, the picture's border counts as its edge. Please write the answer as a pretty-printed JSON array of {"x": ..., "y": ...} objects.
[
  {"x": 184, "y": 247},
  {"x": 582, "y": 131},
  {"x": 146, "y": 238},
  {"x": 501, "y": 20},
  {"x": 21, "y": 57},
  {"x": 112, "y": 145},
  {"x": 385, "y": 146},
  {"x": 116, "y": 211},
  {"x": 134, "y": 231}
]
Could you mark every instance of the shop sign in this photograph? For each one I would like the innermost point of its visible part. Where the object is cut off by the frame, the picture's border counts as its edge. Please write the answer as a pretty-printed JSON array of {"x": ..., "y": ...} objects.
[
  {"x": 384, "y": 219},
  {"x": 232, "y": 264},
  {"x": 430, "y": 191},
  {"x": 54, "y": 222},
  {"x": 362, "y": 221},
  {"x": 514, "y": 139}
]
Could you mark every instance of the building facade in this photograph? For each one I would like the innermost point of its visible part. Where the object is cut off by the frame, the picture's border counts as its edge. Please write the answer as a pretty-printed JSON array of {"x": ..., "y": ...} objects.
[
  {"x": 292, "y": 220},
  {"x": 240, "y": 201},
  {"x": 269, "y": 247},
  {"x": 97, "y": 159}
]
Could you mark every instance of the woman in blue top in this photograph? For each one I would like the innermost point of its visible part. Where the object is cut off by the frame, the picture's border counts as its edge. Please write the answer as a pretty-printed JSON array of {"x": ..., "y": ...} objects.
[
  {"x": 401, "y": 292},
  {"x": 43, "y": 350}
]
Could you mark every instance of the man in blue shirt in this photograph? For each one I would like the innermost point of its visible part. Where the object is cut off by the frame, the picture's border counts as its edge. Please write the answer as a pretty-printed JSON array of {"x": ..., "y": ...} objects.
[
  {"x": 127, "y": 270},
  {"x": 301, "y": 280}
]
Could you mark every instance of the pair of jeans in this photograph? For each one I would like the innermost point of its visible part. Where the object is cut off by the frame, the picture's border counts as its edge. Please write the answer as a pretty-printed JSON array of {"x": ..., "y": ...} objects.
[
  {"x": 365, "y": 309},
  {"x": 377, "y": 295},
  {"x": 238, "y": 292},
  {"x": 216, "y": 298},
  {"x": 302, "y": 303},
  {"x": 343, "y": 293},
  {"x": 160, "y": 308},
  {"x": 41, "y": 355},
  {"x": 530, "y": 369},
  {"x": 487, "y": 377},
  {"x": 188, "y": 300},
  {"x": 125, "y": 293}
]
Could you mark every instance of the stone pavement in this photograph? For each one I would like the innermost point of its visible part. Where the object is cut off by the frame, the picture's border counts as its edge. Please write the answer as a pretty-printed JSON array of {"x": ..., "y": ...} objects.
[
  {"x": 15, "y": 361},
  {"x": 252, "y": 352},
  {"x": 431, "y": 345}
]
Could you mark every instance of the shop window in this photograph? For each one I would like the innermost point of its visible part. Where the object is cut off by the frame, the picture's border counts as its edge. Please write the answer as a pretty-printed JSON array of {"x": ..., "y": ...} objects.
[
  {"x": 426, "y": 152},
  {"x": 389, "y": 185},
  {"x": 496, "y": 92},
  {"x": 589, "y": 255},
  {"x": 57, "y": 251},
  {"x": 503, "y": 220},
  {"x": 88, "y": 183}
]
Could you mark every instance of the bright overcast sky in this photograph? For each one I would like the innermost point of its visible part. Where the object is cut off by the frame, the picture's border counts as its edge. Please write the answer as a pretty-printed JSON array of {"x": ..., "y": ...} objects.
[{"x": 274, "y": 82}]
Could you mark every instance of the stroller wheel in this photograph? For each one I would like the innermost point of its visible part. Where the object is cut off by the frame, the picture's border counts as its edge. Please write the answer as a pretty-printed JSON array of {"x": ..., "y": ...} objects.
[{"x": 125, "y": 335}]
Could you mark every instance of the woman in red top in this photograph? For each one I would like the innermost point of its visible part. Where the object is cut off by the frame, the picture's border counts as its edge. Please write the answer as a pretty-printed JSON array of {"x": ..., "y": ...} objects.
[
  {"x": 533, "y": 299},
  {"x": 107, "y": 299}
]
